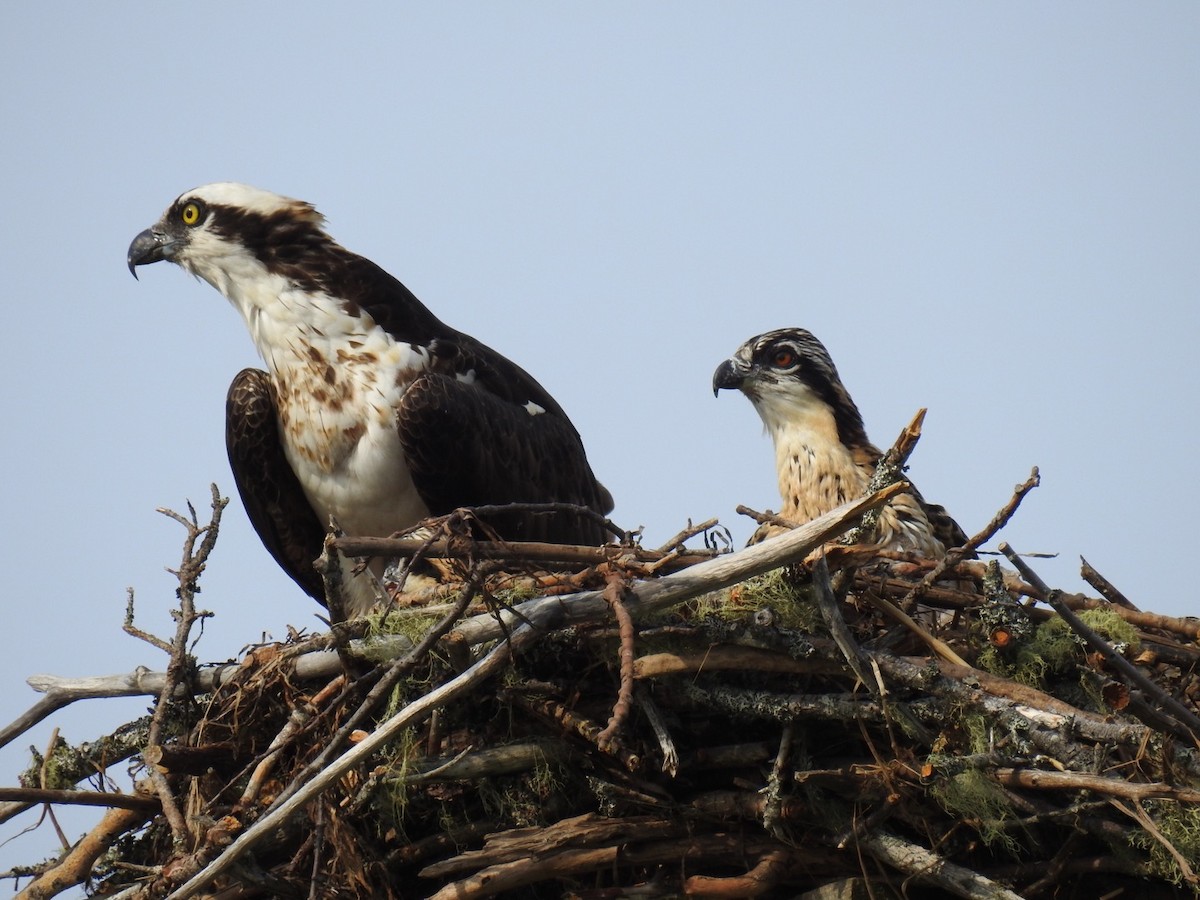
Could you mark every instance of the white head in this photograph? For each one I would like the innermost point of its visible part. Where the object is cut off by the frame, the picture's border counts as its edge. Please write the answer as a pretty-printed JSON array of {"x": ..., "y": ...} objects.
[
  {"x": 791, "y": 380},
  {"x": 225, "y": 232}
]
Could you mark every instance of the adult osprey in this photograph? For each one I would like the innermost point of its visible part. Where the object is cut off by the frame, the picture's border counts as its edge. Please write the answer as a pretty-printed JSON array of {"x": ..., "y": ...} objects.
[
  {"x": 371, "y": 410},
  {"x": 822, "y": 455}
]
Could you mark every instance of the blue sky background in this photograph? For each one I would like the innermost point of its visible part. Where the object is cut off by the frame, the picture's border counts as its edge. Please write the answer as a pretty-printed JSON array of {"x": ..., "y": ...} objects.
[{"x": 986, "y": 209}]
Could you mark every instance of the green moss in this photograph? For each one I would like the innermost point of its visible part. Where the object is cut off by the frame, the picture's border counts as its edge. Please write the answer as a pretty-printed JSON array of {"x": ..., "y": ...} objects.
[
  {"x": 522, "y": 800},
  {"x": 978, "y": 730},
  {"x": 991, "y": 659},
  {"x": 1062, "y": 648},
  {"x": 69, "y": 764},
  {"x": 1026, "y": 666},
  {"x": 404, "y": 622},
  {"x": 792, "y": 602},
  {"x": 973, "y": 796},
  {"x": 397, "y": 758},
  {"x": 1179, "y": 824},
  {"x": 522, "y": 590},
  {"x": 1055, "y": 649}
]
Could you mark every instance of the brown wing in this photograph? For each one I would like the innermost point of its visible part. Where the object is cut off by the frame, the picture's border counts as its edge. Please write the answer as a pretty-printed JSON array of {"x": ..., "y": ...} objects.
[
  {"x": 941, "y": 523},
  {"x": 466, "y": 446},
  {"x": 945, "y": 529},
  {"x": 270, "y": 491}
]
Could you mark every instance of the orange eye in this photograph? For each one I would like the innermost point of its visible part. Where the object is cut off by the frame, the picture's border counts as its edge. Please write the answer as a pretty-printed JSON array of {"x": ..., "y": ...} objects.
[{"x": 783, "y": 358}]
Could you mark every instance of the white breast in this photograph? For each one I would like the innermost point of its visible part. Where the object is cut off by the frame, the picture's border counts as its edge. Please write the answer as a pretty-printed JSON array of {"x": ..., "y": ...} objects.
[
  {"x": 815, "y": 474},
  {"x": 339, "y": 380},
  {"x": 818, "y": 473}
]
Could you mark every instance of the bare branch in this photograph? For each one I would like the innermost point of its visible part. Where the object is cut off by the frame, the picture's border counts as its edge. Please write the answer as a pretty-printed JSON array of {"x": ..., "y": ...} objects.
[
  {"x": 75, "y": 867},
  {"x": 146, "y": 804},
  {"x": 653, "y": 596},
  {"x": 955, "y": 555},
  {"x": 327, "y": 777},
  {"x": 1042, "y": 780},
  {"x": 1187, "y": 722},
  {"x": 927, "y": 866},
  {"x": 182, "y": 664},
  {"x": 677, "y": 541},
  {"x": 889, "y": 470},
  {"x": 612, "y": 595},
  {"x": 529, "y": 552},
  {"x": 1106, "y": 588}
]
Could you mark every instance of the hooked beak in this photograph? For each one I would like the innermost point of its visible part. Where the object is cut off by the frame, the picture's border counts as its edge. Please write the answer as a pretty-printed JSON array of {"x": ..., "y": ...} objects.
[
  {"x": 730, "y": 374},
  {"x": 148, "y": 247}
]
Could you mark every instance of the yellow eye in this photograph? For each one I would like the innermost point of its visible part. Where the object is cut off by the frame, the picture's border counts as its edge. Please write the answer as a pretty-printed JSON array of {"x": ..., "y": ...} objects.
[{"x": 190, "y": 214}]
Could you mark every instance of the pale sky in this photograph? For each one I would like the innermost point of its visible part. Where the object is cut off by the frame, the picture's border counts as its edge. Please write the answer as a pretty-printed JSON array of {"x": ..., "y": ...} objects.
[{"x": 989, "y": 210}]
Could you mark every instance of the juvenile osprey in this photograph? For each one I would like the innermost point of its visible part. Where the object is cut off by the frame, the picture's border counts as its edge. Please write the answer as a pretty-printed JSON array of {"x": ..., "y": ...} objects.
[
  {"x": 822, "y": 455},
  {"x": 371, "y": 410}
]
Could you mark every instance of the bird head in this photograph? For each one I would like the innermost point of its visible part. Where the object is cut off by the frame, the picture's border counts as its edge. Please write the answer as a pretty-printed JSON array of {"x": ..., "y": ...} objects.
[
  {"x": 789, "y": 377},
  {"x": 223, "y": 230}
]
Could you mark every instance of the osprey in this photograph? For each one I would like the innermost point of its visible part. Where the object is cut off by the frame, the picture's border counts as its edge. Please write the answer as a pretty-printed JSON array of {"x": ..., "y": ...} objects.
[
  {"x": 822, "y": 455},
  {"x": 371, "y": 410}
]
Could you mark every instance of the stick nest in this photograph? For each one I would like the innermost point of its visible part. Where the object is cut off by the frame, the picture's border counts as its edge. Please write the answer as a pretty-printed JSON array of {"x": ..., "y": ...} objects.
[{"x": 833, "y": 726}]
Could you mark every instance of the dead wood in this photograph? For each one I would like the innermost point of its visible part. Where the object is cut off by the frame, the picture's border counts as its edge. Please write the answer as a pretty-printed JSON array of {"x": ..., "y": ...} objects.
[
  {"x": 82, "y": 798},
  {"x": 77, "y": 865},
  {"x": 1186, "y": 723},
  {"x": 634, "y": 558}
]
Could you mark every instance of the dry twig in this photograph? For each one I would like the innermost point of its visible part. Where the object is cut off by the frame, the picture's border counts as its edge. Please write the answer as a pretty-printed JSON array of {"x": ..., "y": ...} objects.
[
  {"x": 612, "y": 595},
  {"x": 955, "y": 555},
  {"x": 1187, "y": 723}
]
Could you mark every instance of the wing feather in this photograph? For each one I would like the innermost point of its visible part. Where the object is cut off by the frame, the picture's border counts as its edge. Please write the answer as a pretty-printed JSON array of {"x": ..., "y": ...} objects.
[
  {"x": 466, "y": 446},
  {"x": 270, "y": 491},
  {"x": 941, "y": 523}
]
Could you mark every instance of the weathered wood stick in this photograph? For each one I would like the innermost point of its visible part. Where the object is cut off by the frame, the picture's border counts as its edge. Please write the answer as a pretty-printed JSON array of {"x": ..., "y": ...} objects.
[
  {"x": 529, "y": 551},
  {"x": 649, "y": 597}
]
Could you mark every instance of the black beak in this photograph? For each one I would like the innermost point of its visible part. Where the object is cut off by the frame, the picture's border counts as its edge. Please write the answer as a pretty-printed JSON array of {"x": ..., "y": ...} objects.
[
  {"x": 730, "y": 374},
  {"x": 148, "y": 247}
]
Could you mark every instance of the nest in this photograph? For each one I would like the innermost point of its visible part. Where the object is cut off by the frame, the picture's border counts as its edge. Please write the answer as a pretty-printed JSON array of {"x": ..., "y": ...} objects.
[{"x": 790, "y": 720}]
